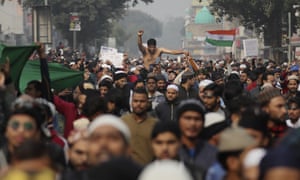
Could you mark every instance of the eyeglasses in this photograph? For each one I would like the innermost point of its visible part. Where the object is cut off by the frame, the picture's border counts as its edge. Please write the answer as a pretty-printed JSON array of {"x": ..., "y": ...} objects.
[{"x": 27, "y": 126}]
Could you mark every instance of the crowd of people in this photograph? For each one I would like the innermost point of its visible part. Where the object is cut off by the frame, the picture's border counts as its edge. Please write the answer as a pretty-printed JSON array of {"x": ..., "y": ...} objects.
[{"x": 153, "y": 119}]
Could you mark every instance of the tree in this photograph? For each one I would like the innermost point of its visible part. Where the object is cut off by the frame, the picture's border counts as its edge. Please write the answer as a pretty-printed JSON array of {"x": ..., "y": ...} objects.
[
  {"x": 96, "y": 16},
  {"x": 267, "y": 16},
  {"x": 135, "y": 20}
]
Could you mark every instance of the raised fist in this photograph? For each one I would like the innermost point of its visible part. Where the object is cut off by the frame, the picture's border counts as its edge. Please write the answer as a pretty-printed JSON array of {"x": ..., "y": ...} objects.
[{"x": 140, "y": 32}]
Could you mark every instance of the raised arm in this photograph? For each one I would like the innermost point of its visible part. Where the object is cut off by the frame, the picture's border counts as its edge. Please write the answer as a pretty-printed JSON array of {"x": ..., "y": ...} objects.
[
  {"x": 142, "y": 48},
  {"x": 47, "y": 94},
  {"x": 175, "y": 52}
]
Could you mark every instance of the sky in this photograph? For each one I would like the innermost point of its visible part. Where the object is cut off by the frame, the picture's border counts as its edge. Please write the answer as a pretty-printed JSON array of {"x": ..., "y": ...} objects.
[{"x": 165, "y": 9}]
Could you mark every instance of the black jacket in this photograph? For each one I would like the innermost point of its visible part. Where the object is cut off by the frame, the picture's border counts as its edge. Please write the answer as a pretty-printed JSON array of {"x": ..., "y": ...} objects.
[{"x": 166, "y": 111}]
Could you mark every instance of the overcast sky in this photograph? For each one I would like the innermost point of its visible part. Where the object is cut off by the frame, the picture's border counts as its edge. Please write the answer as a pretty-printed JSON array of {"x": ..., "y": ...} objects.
[{"x": 165, "y": 9}]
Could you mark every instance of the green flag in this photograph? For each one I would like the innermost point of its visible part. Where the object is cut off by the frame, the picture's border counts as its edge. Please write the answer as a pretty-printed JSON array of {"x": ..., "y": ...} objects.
[
  {"x": 18, "y": 55},
  {"x": 61, "y": 77}
]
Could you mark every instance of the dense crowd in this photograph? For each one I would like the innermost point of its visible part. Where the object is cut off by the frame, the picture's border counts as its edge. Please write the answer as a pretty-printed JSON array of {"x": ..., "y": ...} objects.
[{"x": 179, "y": 119}]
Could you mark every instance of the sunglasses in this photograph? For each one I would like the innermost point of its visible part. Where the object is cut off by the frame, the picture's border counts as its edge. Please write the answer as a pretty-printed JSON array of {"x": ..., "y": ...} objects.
[{"x": 27, "y": 126}]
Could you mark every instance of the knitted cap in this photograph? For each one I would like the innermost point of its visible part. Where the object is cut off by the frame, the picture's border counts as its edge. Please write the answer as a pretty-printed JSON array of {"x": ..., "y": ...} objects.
[{"x": 190, "y": 105}]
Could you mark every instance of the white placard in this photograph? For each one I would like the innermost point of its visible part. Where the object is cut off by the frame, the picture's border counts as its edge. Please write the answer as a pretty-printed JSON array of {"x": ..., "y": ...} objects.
[
  {"x": 250, "y": 47},
  {"x": 111, "y": 54}
]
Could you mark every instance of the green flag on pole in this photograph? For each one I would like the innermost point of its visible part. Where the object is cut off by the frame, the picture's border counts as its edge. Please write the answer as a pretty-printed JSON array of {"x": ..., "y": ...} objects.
[
  {"x": 18, "y": 56},
  {"x": 22, "y": 71},
  {"x": 61, "y": 77}
]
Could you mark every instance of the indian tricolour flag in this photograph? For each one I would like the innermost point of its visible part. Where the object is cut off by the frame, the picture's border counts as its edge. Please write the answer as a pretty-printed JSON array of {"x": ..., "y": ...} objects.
[{"x": 220, "y": 37}]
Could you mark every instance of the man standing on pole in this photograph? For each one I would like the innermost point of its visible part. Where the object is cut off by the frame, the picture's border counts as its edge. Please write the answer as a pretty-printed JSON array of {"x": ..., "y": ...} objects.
[{"x": 151, "y": 52}]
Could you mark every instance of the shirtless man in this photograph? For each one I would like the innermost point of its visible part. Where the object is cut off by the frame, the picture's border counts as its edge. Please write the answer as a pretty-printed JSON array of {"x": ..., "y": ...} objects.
[{"x": 151, "y": 53}]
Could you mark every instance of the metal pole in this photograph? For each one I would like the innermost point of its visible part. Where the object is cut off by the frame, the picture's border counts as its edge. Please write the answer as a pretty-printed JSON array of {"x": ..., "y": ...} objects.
[
  {"x": 289, "y": 37},
  {"x": 74, "y": 40},
  {"x": 46, "y": 2}
]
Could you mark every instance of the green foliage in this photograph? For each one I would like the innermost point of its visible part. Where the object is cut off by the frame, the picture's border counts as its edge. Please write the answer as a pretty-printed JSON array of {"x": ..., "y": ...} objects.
[
  {"x": 96, "y": 16},
  {"x": 126, "y": 29}
]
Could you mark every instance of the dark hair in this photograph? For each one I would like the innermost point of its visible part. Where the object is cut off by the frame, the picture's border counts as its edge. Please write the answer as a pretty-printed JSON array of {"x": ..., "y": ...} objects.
[
  {"x": 37, "y": 85},
  {"x": 233, "y": 76},
  {"x": 232, "y": 89},
  {"x": 253, "y": 76},
  {"x": 31, "y": 149},
  {"x": 217, "y": 90},
  {"x": 168, "y": 126},
  {"x": 222, "y": 157},
  {"x": 151, "y": 77},
  {"x": 266, "y": 74},
  {"x": 139, "y": 81},
  {"x": 295, "y": 100},
  {"x": 106, "y": 83},
  {"x": 93, "y": 104},
  {"x": 92, "y": 65},
  {"x": 240, "y": 103},
  {"x": 151, "y": 42},
  {"x": 255, "y": 118},
  {"x": 140, "y": 91},
  {"x": 32, "y": 109}
]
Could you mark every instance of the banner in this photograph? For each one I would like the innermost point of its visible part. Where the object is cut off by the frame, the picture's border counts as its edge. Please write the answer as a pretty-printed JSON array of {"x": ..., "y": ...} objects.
[
  {"x": 60, "y": 77},
  {"x": 250, "y": 47},
  {"x": 18, "y": 56},
  {"x": 111, "y": 54}
]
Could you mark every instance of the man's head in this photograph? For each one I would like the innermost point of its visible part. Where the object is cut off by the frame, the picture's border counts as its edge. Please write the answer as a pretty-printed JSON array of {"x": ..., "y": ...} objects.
[
  {"x": 108, "y": 137},
  {"x": 202, "y": 74},
  {"x": 294, "y": 109},
  {"x": 104, "y": 87},
  {"x": 188, "y": 78},
  {"x": 120, "y": 79},
  {"x": 233, "y": 141},
  {"x": 34, "y": 89},
  {"x": 32, "y": 156},
  {"x": 24, "y": 123},
  {"x": 212, "y": 97},
  {"x": 78, "y": 150},
  {"x": 243, "y": 76},
  {"x": 273, "y": 104},
  {"x": 139, "y": 102},
  {"x": 268, "y": 78},
  {"x": 161, "y": 83},
  {"x": 190, "y": 114},
  {"x": 151, "y": 84},
  {"x": 138, "y": 84},
  {"x": 151, "y": 43},
  {"x": 218, "y": 78},
  {"x": 172, "y": 92},
  {"x": 165, "y": 140},
  {"x": 293, "y": 83},
  {"x": 201, "y": 87},
  {"x": 254, "y": 120}
]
